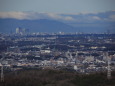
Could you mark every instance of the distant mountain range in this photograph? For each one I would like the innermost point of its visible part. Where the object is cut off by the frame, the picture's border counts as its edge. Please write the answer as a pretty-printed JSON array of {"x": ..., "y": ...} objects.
[
  {"x": 50, "y": 22},
  {"x": 41, "y": 25}
]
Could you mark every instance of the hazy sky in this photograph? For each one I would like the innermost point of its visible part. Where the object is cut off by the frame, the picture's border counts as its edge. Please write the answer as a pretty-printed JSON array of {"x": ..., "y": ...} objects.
[{"x": 57, "y": 6}]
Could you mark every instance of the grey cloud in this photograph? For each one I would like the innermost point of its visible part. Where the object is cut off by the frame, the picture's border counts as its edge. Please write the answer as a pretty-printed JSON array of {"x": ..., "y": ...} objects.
[{"x": 77, "y": 17}]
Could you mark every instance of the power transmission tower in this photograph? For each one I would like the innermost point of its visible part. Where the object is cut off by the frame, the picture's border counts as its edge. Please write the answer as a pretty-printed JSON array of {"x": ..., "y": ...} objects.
[
  {"x": 2, "y": 73},
  {"x": 109, "y": 67},
  {"x": 2, "y": 68}
]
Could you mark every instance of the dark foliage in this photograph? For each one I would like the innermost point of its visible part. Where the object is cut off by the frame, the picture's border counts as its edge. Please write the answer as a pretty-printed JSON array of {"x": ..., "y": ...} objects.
[{"x": 46, "y": 77}]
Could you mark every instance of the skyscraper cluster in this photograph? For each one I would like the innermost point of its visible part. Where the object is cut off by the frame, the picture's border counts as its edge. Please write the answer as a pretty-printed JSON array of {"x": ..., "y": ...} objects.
[{"x": 21, "y": 31}]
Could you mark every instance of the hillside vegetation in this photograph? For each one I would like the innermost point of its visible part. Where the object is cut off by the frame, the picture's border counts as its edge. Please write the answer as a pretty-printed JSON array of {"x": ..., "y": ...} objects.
[{"x": 56, "y": 78}]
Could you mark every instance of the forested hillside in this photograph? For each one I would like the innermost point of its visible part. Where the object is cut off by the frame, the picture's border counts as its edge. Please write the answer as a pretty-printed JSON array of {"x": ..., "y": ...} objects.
[{"x": 56, "y": 78}]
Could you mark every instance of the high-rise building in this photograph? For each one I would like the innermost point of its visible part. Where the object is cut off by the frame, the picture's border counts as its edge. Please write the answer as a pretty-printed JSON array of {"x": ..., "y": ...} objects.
[{"x": 17, "y": 30}]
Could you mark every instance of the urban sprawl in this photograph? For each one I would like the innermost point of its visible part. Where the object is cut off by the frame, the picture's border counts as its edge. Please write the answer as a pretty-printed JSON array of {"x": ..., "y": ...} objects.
[{"x": 84, "y": 53}]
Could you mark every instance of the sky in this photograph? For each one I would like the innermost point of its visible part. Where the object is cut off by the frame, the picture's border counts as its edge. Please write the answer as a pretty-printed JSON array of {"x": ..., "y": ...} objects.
[{"x": 57, "y": 6}]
